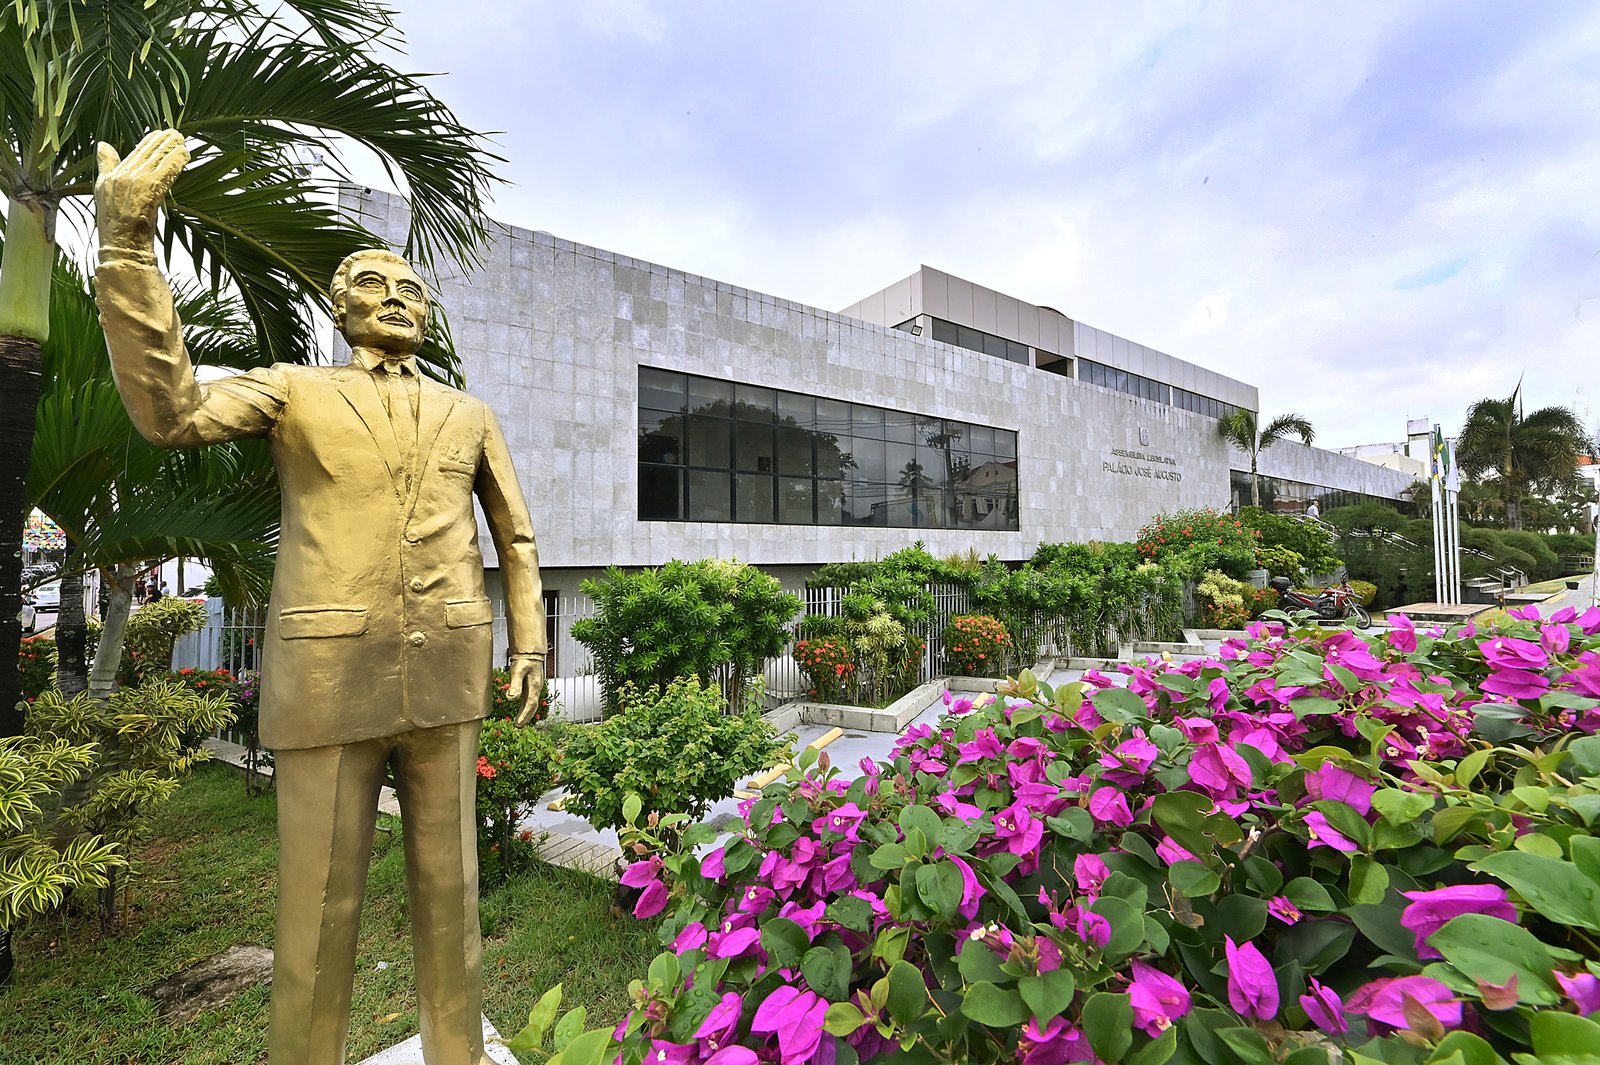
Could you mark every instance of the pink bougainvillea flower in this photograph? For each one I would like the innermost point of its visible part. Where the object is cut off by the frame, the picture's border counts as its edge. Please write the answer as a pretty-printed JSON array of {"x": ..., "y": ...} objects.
[
  {"x": 721, "y": 1023},
  {"x": 1324, "y": 1009},
  {"x": 1090, "y": 871},
  {"x": 641, "y": 873},
  {"x": 1057, "y": 1043},
  {"x": 984, "y": 744},
  {"x": 955, "y": 806},
  {"x": 1284, "y": 910},
  {"x": 1220, "y": 770},
  {"x": 1402, "y": 635},
  {"x": 1157, "y": 999},
  {"x": 1505, "y": 652},
  {"x": 1090, "y": 926},
  {"x": 795, "y": 1017},
  {"x": 1555, "y": 639},
  {"x": 1515, "y": 683},
  {"x": 662, "y": 1052},
  {"x": 1198, "y": 729},
  {"x": 1018, "y": 830},
  {"x": 1172, "y": 852},
  {"x": 1109, "y": 806},
  {"x": 711, "y": 865},
  {"x": 1334, "y": 782},
  {"x": 734, "y": 1055},
  {"x": 1430, "y": 911},
  {"x": 971, "y": 890},
  {"x": 1252, "y": 986},
  {"x": 652, "y": 900},
  {"x": 1129, "y": 761},
  {"x": 1325, "y": 835},
  {"x": 693, "y": 936},
  {"x": 756, "y": 899},
  {"x": 1583, "y": 989},
  {"x": 845, "y": 820},
  {"x": 733, "y": 943},
  {"x": 1384, "y": 1001}
]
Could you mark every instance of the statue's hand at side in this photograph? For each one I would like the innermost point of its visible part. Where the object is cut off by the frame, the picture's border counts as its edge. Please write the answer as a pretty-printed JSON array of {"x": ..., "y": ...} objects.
[
  {"x": 128, "y": 190},
  {"x": 527, "y": 681}
]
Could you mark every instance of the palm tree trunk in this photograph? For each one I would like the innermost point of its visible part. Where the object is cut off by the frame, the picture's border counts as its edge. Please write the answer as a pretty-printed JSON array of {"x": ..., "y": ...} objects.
[
  {"x": 29, "y": 254},
  {"x": 72, "y": 637},
  {"x": 1255, "y": 482},
  {"x": 19, "y": 398},
  {"x": 108, "y": 655}
]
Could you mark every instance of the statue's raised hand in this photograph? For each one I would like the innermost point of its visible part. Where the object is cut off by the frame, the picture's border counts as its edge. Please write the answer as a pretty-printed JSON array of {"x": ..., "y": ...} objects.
[{"x": 129, "y": 189}]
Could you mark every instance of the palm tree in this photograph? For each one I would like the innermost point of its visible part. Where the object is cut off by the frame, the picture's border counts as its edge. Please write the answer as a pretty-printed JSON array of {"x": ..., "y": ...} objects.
[
  {"x": 120, "y": 500},
  {"x": 1521, "y": 454},
  {"x": 251, "y": 86},
  {"x": 1239, "y": 429}
]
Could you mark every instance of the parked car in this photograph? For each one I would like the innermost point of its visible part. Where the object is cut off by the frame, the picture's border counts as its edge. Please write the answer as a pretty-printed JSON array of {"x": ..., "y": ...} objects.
[
  {"x": 47, "y": 597},
  {"x": 29, "y": 615}
]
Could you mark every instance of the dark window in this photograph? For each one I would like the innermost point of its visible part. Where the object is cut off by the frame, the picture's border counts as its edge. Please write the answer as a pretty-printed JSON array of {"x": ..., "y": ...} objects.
[{"x": 737, "y": 453}]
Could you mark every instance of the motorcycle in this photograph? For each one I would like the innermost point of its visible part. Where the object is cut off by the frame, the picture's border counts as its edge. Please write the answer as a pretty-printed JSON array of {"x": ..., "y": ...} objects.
[{"x": 1334, "y": 603}]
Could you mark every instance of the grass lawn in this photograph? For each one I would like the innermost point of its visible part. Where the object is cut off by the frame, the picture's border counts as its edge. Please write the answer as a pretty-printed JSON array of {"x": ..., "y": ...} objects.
[{"x": 208, "y": 881}]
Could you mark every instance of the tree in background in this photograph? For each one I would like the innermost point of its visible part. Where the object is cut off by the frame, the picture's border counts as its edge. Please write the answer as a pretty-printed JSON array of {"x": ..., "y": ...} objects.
[
  {"x": 1519, "y": 455},
  {"x": 1240, "y": 430},
  {"x": 252, "y": 86}
]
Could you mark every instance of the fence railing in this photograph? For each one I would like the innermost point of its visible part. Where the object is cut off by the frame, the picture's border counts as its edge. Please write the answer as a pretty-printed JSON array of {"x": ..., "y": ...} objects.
[{"x": 232, "y": 640}]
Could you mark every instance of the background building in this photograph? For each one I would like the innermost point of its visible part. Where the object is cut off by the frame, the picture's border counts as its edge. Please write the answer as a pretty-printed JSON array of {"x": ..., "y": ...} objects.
[{"x": 655, "y": 414}]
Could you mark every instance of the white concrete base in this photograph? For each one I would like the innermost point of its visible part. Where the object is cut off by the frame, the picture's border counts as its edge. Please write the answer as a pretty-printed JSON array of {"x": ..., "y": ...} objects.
[{"x": 410, "y": 1052}]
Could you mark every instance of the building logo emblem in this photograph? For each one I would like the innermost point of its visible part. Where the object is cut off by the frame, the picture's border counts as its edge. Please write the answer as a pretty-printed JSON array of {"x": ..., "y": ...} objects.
[{"x": 1144, "y": 436}]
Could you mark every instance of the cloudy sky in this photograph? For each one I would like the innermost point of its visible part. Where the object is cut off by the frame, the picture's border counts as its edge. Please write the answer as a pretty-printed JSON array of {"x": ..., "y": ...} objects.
[{"x": 1381, "y": 212}]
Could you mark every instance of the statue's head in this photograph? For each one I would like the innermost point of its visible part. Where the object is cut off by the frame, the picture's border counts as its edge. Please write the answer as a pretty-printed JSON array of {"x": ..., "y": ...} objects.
[{"x": 379, "y": 302}]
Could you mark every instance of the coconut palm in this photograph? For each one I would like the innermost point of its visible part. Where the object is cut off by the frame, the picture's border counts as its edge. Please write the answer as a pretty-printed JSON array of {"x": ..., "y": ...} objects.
[
  {"x": 1239, "y": 429},
  {"x": 252, "y": 87},
  {"x": 122, "y": 501},
  {"x": 1521, "y": 454}
]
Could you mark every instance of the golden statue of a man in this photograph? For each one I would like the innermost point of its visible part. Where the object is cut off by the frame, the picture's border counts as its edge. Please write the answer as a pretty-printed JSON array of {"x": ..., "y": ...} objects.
[{"x": 379, "y": 636}]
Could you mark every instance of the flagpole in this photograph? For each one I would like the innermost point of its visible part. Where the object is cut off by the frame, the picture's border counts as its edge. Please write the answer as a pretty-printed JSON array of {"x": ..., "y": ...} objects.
[{"x": 1439, "y": 524}]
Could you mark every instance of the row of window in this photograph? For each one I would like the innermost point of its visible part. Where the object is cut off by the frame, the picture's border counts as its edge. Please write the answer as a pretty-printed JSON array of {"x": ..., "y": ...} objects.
[
  {"x": 1098, "y": 373},
  {"x": 963, "y": 336},
  {"x": 1292, "y": 497},
  {"x": 716, "y": 450},
  {"x": 1184, "y": 399}
]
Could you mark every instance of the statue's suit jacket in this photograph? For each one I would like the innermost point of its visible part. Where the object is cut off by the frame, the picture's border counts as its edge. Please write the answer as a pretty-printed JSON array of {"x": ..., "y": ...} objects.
[{"x": 378, "y": 623}]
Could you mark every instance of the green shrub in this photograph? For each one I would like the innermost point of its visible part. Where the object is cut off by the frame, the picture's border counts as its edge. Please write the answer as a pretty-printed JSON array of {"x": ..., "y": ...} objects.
[
  {"x": 1225, "y": 603},
  {"x": 976, "y": 645},
  {"x": 829, "y": 663},
  {"x": 505, "y": 707},
  {"x": 515, "y": 767},
  {"x": 677, "y": 748},
  {"x": 152, "y": 632},
  {"x": 144, "y": 738},
  {"x": 1365, "y": 591},
  {"x": 36, "y": 657},
  {"x": 1282, "y": 562},
  {"x": 1313, "y": 543},
  {"x": 683, "y": 619}
]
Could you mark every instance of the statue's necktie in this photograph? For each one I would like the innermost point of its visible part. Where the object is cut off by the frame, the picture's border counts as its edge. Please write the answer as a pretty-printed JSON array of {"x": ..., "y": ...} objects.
[{"x": 400, "y": 398}]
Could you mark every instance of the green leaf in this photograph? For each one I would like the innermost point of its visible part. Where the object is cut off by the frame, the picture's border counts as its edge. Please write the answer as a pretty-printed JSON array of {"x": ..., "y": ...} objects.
[
  {"x": 908, "y": 994},
  {"x": 1108, "y": 1022},
  {"x": 1120, "y": 705},
  {"x": 1585, "y": 754},
  {"x": 569, "y": 1027},
  {"x": 1048, "y": 994},
  {"x": 665, "y": 969},
  {"x": 631, "y": 807},
  {"x": 1492, "y": 950},
  {"x": 1473, "y": 1050},
  {"x": 1309, "y": 896},
  {"x": 1381, "y": 925},
  {"x": 890, "y": 857},
  {"x": 1553, "y": 887},
  {"x": 540, "y": 1018},
  {"x": 1192, "y": 879},
  {"x": 940, "y": 887},
  {"x": 1307, "y": 1056},
  {"x": 1401, "y": 807},
  {"x": 1565, "y": 1039},
  {"x": 590, "y": 1048},
  {"x": 841, "y": 1019},
  {"x": 1156, "y": 1052},
  {"x": 850, "y": 912},
  {"x": 996, "y": 1007},
  {"x": 1369, "y": 881},
  {"x": 1249, "y": 1045},
  {"x": 1075, "y": 823},
  {"x": 784, "y": 941},
  {"x": 1586, "y": 856},
  {"x": 977, "y": 962},
  {"x": 923, "y": 819},
  {"x": 1468, "y": 768},
  {"x": 827, "y": 970},
  {"x": 1127, "y": 925}
]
